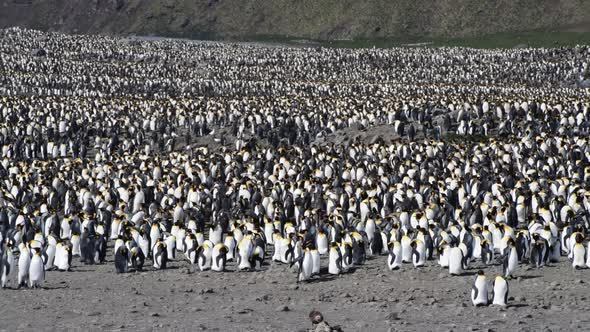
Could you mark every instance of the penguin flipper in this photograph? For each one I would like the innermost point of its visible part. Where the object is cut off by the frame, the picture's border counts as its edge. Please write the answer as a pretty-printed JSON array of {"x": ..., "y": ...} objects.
[
  {"x": 475, "y": 291},
  {"x": 417, "y": 255},
  {"x": 506, "y": 294},
  {"x": 297, "y": 260}
]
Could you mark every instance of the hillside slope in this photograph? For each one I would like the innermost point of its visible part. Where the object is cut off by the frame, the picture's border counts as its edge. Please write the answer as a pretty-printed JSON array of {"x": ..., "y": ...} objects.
[{"x": 319, "y": 19}]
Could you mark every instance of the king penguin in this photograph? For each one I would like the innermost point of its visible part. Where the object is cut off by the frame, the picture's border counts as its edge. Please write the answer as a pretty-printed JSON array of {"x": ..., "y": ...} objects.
[
  {"x": 479, "y": 290},
  {"x": 500, "y": 291},
  {"x": 36, "y": 270}
]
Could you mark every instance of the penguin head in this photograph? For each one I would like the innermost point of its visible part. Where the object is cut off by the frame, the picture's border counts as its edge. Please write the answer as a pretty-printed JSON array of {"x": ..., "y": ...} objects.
[{"x": 480, "y": 273}]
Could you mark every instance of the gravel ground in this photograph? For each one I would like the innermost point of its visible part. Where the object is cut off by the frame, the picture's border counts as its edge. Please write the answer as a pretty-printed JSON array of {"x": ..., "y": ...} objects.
[{"x": 371, "y": 298}]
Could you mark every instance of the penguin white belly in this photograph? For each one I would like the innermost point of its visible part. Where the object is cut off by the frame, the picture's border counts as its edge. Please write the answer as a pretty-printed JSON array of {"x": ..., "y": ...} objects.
[
  {"x": 419, "y": 255},
  {"x": 500, "y": 292},
  {"x": 171, "y": 247},
  {"x": 476, "y": 247},
  {"x": 204, "y": 259},
  {"x": 8, "y": 268},
  {"x": 306, "y": 267},
  {"x": 36, "y": 272},
  {"x": 230, "y": 243},
  {"x": 588, "y": 257},
  {"x": 455, "y": 261},
  {"x": 479, "y": 292},
  {"x": 24, "y": 261},
  {"x": 394, "y": 259},
  {"x": 50, "y": 251},
  {"x": 334, "y": 264},
  {"x": 278, "y": 251},
  {"x": 406, "y": 250},
  {"x": 579, "y": 256},
  {"x": 512, "y": 263},
  {"x": 322, "y": 244},
  {"x": 180, "y": 240},
  {"x": 144, "y": 245},
  {"x": 443, "y": 258},
  {"x": 215, "y": 235},
  {"x": 75, "y": 240},
  {"x": 245, "y": 250},
  {"x": 315, "y": 257},
  {"x": 268, "y": 232}
]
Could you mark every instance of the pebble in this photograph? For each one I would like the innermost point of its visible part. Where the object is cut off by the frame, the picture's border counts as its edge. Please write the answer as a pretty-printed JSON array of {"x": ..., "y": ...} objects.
[
  {"x": 392, "y": 316},
  {"x": 283, "y": 309}
]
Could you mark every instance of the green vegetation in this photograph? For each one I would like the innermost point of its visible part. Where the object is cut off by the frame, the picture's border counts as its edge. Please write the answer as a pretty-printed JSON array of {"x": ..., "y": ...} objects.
[{"x": 505, "y": 40}]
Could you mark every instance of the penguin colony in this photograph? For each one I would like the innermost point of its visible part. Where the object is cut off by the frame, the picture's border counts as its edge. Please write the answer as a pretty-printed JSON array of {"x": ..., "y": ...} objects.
[{"x": 100, "y": 158}]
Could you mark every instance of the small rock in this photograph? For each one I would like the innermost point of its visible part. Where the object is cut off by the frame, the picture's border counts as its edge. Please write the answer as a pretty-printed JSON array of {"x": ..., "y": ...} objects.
[
  {"x": 94, "y": 313},
  {"x": 155, "y": 314},
  {"x": 207, "y": 291},
  {"x": 579, "y": 281},
  {"x": 283, "y": 309},
  {"x": 392, "y": 316}
]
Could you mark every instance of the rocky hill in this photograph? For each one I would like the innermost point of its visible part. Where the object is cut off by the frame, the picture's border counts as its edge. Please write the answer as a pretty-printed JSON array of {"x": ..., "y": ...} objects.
[{"x": 312, "y": 19}]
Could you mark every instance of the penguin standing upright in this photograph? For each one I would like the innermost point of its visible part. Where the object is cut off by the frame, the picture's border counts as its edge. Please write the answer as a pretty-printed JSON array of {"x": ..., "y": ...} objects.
[
  {"x": 63, "y": 256},
  {"x": 100, "y": 248},
  {"x": 122, "y": 259},
  {"x": 204, "y": 256},
  {"x": 245, "y": 252},
  {"x": 305, "y": 266},
  {"x": 539, "y": 251},
  {"x": 322, "y": 243},
  {"x": 50, "y": 252},
  {"x": 36, "y": 270},
  {"x": 219, "y": 257},
  {"x": 579, "y": 254},
  {"x": 7, "y": 265},
  {"x": 418, "y": 253},
  {"x": 456, "y": 261},
  {"x": 394, "y": 259},
  {"x": 335, "y": 260},
  {"x": 510, "y": 260},
  {"x": 479, "y": 290},
  {"x": 24, "y": 260},
  {"x": 137, "y": 258},
  {"x": 160, "y": 255},
  {"x": 406, "y": 249},
  {"x": 315, "y": 258},
  {"x": 500, "y": 291}
]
